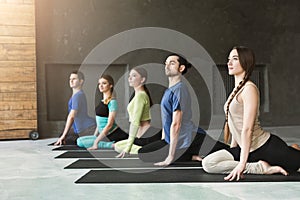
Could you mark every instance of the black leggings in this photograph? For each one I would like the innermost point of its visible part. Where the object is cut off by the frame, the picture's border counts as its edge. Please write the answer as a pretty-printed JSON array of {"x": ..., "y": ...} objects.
[
  {"x": 275, "y": 151},
  {"x": 116, "y": 135},
  {"x": 202, "y": 145},
  {"x": 152, "y": 134},
  {"x": 72, "y": 137}
]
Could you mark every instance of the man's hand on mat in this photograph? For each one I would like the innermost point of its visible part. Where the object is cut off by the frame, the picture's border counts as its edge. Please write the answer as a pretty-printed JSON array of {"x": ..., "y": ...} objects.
[
  {"x": 166, "y": 162},
  {"x": 59, "y": 141},
  {"x": 121, "y": 155}
]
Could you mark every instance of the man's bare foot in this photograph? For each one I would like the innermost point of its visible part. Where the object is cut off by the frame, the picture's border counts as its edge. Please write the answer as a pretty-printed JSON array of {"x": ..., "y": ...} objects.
[
  {"x": 296, "y": 146},
  {"x": 268, "y": 169},
  {"x": 196, "y": 158}
]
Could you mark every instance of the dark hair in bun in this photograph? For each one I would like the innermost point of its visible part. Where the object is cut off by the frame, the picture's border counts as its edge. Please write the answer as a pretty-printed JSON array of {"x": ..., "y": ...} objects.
[{"x": 182, "y": 61}]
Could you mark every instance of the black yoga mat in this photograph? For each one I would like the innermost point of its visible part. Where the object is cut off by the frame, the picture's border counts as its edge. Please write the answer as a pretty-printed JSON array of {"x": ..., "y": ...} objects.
[
  {"x": 122, "y": 163},
  {"x": 51, "y": 144},
  {"x": 91, "y": 154},
  {"x": 69, "y": 148},
  {"x": 172, "y": 176}
]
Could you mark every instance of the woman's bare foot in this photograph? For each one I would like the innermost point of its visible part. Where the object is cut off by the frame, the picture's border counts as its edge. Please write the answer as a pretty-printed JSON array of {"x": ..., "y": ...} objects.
[
  {"x": 268, "y": 169},
  {"x": 296, "y": 146},
  {"x": 196, "y": 158}
]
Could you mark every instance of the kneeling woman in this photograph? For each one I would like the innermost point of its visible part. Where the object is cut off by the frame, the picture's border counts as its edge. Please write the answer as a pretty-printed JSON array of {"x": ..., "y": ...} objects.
[
  {"x": 253, "y": 150},
  {"x": 140, "y": 131},
  {"x": 107, "y": 131}
]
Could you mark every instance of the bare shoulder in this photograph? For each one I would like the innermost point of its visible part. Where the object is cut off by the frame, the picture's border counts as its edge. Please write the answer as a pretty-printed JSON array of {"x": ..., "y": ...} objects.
[
  {"x": 250, "y": 90},
  {"x": 250, "y": 86}
]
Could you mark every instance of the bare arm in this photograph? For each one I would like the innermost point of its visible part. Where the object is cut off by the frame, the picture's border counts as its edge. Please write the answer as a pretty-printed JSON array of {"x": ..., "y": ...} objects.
[
  {"x": 249, "y": 97},
  {"x": 174, "y": 134},
  {"x": 70, "y": 120},
  {"x": 105, "y": 130},
  {"x": 163, "y": 134}
]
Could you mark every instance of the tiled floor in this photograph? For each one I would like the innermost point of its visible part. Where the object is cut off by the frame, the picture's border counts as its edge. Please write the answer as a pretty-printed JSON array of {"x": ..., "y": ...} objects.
[{"x": 29, "y": 171}]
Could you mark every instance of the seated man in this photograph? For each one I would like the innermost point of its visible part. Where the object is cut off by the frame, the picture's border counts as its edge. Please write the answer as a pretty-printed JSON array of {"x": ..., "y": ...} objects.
[
  {"x": 177, "y": 142},
  {"x": 78, "y": 123}
]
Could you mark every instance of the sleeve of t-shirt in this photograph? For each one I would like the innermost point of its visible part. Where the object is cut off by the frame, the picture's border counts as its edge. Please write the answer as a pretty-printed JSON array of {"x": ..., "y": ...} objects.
[
  {"x": 113, "y": 105},
  {"x": 176, "y": 100},
  {"x": 76, "y": 101}
]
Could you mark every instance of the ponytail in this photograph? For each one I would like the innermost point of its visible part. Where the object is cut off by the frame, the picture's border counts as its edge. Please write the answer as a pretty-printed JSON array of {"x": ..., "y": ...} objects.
[
  {"x": 148, "y": 93},
  {"x": 106, "y": 101}
]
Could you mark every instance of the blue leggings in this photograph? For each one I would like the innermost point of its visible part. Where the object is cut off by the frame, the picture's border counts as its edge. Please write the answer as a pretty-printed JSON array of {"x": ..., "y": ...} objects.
[
  {"x": 115, "y": 136},
  {"x": 88, "y": 141}
]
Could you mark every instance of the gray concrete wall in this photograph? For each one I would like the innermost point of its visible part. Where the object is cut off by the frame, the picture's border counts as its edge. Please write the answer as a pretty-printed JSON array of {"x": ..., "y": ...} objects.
[{"x": 68, "y": 30}]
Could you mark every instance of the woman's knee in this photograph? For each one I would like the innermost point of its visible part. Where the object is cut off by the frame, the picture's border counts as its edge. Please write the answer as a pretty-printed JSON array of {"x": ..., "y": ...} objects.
[
  {"x": 120, "y": 146},
  {"x": 79, "y": 142},
  {"x": 85, "y": 141},
  {"x": 208, "y": 163},
  {"x": 211, "y": 162}
]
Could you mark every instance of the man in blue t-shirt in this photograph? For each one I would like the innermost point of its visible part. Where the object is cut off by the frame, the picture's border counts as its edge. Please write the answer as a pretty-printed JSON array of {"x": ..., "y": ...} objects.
[
  {"x": 178, "y": 141},
  {"x": 78, "y": 123}
]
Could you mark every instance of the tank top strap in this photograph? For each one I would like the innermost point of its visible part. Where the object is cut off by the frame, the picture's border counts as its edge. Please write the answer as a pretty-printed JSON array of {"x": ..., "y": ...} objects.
[{"x": 248, "y": 83}]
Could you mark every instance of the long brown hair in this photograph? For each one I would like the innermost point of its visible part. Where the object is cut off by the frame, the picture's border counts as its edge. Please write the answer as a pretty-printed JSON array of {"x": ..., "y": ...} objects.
[
  {"x": 247, "y": 61},
  {"x": 110, "y": 80}
]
